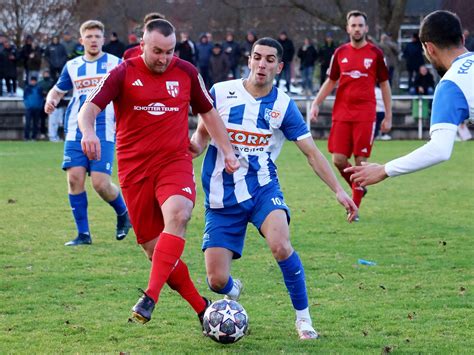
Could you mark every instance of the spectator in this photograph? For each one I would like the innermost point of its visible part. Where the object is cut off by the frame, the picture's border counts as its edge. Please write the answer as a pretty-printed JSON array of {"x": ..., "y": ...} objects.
[
  {"x": 424, "y": 82},
  {"x": 468, "y": 40},
  {"x": 132, "y": 41},
  {"x": 380, "y": 115},
  {"x": 33, "y": 100},
  {"x": 204, "y": 52},
  {"x": 3, "y": 62},
  {"x": 250, "y": 39},
  {"x": 219, "y": 65},
  {"x": 34, "y": 60},
  {"x": 308, "y": 55},
  {"x": 9, "y": 67},
  {"x": 390, "y": 51},
  {"x": 232, "y": 50},
  {"x": 325, "y": 54},
  {"x": 46, "y": 83},
  {"x": 23, "y": 56},
  {"x": 56, "y": 56},
  {"x": 413, "y": 54},
  {"x": 186, "y": 49},
  {"x": 69, "y": 44},
  {"x": 115, "y": 46},
  {"x": 288, "y": 54}
]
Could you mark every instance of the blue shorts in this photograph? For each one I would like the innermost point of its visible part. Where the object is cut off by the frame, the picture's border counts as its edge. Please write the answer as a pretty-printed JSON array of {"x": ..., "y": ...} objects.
[
  {"x": 226, "y": 227},
  {"x": 74, "y": 156}
]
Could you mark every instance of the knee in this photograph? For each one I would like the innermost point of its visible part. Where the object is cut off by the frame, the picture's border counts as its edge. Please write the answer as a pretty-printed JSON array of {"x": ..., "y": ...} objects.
[
  {"x": 75, "y": 182},
  {"x": 217, "y": 281},
  {"x": 100, "y": 185},
  {"x": 181, "y": 217},
  {"x": 281, "y": 250},
  {"x": 339, "y": 163}
]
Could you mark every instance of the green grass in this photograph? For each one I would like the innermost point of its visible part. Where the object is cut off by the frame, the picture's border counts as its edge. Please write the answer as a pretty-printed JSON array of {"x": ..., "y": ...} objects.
[{"x": 419, "y": 298}]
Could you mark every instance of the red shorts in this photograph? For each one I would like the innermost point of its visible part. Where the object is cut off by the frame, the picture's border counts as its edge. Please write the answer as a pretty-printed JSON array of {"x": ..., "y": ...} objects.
[
  {"x": 145, "y": 197},
  {"x": 349, "y": 138}
]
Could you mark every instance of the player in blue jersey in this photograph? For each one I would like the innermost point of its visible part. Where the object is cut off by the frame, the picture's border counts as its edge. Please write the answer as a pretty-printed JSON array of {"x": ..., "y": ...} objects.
[
  {"x": 442, "y": 39},
  {"x": 82, "y": 74},
  {"x": 259, "y": 118}
]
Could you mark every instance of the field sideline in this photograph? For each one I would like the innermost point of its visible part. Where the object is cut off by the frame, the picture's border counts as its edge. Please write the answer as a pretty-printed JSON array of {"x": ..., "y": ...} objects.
[{"x": 419, "y": 298}]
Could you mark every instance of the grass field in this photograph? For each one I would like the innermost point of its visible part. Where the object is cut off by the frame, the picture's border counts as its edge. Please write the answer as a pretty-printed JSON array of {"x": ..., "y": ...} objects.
[{"x": 418, "y": 298}]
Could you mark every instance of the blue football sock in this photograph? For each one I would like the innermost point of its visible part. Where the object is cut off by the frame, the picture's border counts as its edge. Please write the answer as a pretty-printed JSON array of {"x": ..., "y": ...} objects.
[
  {"x": 293, "y": 275},
  {"x": 79, "y": 211},
  {"x": 227, "y": 288},
  {"x": 119, "y": 205}
]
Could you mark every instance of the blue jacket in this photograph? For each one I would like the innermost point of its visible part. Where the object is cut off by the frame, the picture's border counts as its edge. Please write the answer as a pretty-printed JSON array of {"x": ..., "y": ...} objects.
[{"x": 33, "y": 97}]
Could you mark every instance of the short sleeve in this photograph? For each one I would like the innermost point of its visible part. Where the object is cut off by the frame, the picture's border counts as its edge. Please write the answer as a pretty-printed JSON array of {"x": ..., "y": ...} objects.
[
  {"x": 293, "y": 125},
  {"x": 449, "y": 104},
  {"x": 334, "y": 69},
  {"x": 382, "y": 70},
  {"x": 201, "y": 102},
  {"x": 64, "y": 83}
]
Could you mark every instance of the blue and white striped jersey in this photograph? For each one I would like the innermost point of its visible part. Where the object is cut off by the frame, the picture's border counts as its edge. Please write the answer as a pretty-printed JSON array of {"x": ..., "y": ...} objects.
[
  {"x": 257, "y": 129},
  {"x": 83, "y": 76},
  {"x": 453, "y": 100}
]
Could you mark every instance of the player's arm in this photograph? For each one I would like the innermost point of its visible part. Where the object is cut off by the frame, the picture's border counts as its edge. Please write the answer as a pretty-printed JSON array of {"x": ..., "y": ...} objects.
[
  {"x": 199, "y": 140},
  {"x": 325, "y": 90},
  {"x": 218, "y": 132},
  {"x": 436, "y": 151},
  {"x": 386, "y": 124},
  {"x": 321, "y": 167},
  {"x": 90, "y": 143},
  {"x": 52, "y": 100}
]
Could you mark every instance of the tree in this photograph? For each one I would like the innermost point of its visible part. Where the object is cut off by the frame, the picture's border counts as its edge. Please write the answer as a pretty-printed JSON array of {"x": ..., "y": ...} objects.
[{"x": 39, "y": 18}]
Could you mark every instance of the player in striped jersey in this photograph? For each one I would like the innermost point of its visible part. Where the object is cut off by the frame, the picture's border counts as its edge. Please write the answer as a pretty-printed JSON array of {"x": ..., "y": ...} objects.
[
  {"x": 258, "y": 117},
  {"x": 453, "y": 102},
  {"x": 82, "y": 74}
]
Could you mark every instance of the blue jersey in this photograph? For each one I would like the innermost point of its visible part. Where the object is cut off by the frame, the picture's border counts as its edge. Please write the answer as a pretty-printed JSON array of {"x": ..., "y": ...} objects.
[
  {"x": 83, "y": 76},
  {"x": 257, "y": 129},
  {"x": 453, "y": 100}
]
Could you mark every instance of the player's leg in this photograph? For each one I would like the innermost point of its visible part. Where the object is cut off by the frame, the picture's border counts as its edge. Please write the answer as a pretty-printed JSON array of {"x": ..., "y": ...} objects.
[
  {"x": 272, "y": 218},
  {"x": 363, "y": 138},
  {"x": 223, "y": 241},
  {"x": 340, "y": 146},
  {"x": 109, "y": 192},
  {"x": 76, "y": 165}
]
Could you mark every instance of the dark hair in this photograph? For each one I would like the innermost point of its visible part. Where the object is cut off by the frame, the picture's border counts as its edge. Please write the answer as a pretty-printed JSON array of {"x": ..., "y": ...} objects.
[
  {"x": 269, "y": 42},
  {"x": 152, "y": 16},
  {"x": 160, "y": 25},
  {"x": 356, "y": 13},
  {"x": 442, "y": 28}
]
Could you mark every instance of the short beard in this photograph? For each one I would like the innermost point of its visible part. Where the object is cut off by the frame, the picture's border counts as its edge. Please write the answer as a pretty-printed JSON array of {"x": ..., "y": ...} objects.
[{"x": 358, "y": 40}]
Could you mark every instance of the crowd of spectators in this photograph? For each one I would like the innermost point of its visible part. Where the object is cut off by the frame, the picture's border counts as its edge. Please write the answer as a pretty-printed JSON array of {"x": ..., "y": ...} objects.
[{"x": 35, "y": 65}]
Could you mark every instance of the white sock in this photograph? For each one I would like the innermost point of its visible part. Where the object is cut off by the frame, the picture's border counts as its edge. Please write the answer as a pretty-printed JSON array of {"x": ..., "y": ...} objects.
[{"x": 303, "y": 314}]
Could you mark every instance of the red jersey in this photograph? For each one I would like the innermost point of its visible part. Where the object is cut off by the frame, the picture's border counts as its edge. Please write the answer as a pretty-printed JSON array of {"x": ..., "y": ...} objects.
[
  {"x": 151, "y": 113},
  {"x": 358, "y": 70},
  {"x": 132, "y": 52}
]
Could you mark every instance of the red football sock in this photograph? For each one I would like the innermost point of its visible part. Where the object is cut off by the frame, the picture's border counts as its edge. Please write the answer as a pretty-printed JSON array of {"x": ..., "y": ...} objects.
[
  {"x": 357, "y": 194},
  {"x": 346, "y": 176},
  {"x": 168, "y": 250},
  {"x": 180, "y": 281}
]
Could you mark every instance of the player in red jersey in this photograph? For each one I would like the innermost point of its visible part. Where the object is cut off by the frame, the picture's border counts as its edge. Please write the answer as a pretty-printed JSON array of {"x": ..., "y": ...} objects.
[
  {"x": 151, "y": 95},
  {"x": 358, "y": 66},
  {"x": 136, "y": 51}
]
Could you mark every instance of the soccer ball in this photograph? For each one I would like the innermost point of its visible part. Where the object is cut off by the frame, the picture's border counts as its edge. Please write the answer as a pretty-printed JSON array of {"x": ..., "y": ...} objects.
[{"x": 225, "y": 321}]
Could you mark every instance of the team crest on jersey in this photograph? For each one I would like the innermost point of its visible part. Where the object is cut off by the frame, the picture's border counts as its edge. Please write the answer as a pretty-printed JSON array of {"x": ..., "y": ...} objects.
[
  {"x": 271, "y": 115},
  {"x": 173, "y": 88},
  {"x": 368, "y": 62}
]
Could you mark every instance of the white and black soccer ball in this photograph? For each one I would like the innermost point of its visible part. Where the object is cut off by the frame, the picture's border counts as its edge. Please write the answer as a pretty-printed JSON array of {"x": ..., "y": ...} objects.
[{"x": 225, "y": 321}]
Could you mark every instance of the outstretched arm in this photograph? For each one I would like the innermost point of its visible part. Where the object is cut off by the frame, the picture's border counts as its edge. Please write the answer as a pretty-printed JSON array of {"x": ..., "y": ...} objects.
[
  {"x": 437, "y": 150},
  {"x": 321, "y": 167},
  {"x": 90, "y": 143},
  {"x": 218, "y": 132}
]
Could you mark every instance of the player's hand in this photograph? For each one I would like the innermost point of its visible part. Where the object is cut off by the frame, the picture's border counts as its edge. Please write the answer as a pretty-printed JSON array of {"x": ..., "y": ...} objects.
[
  {"x": 351, "y": 208},
  {"x": 231, "y": 163},
  {"x": 386, "y": 124},
  {"x": 367, "y": 173},
  {"x": 90, "y": 144},
  {"x": 314, "y": 113},
  {"x": 50, "y": 106}
]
